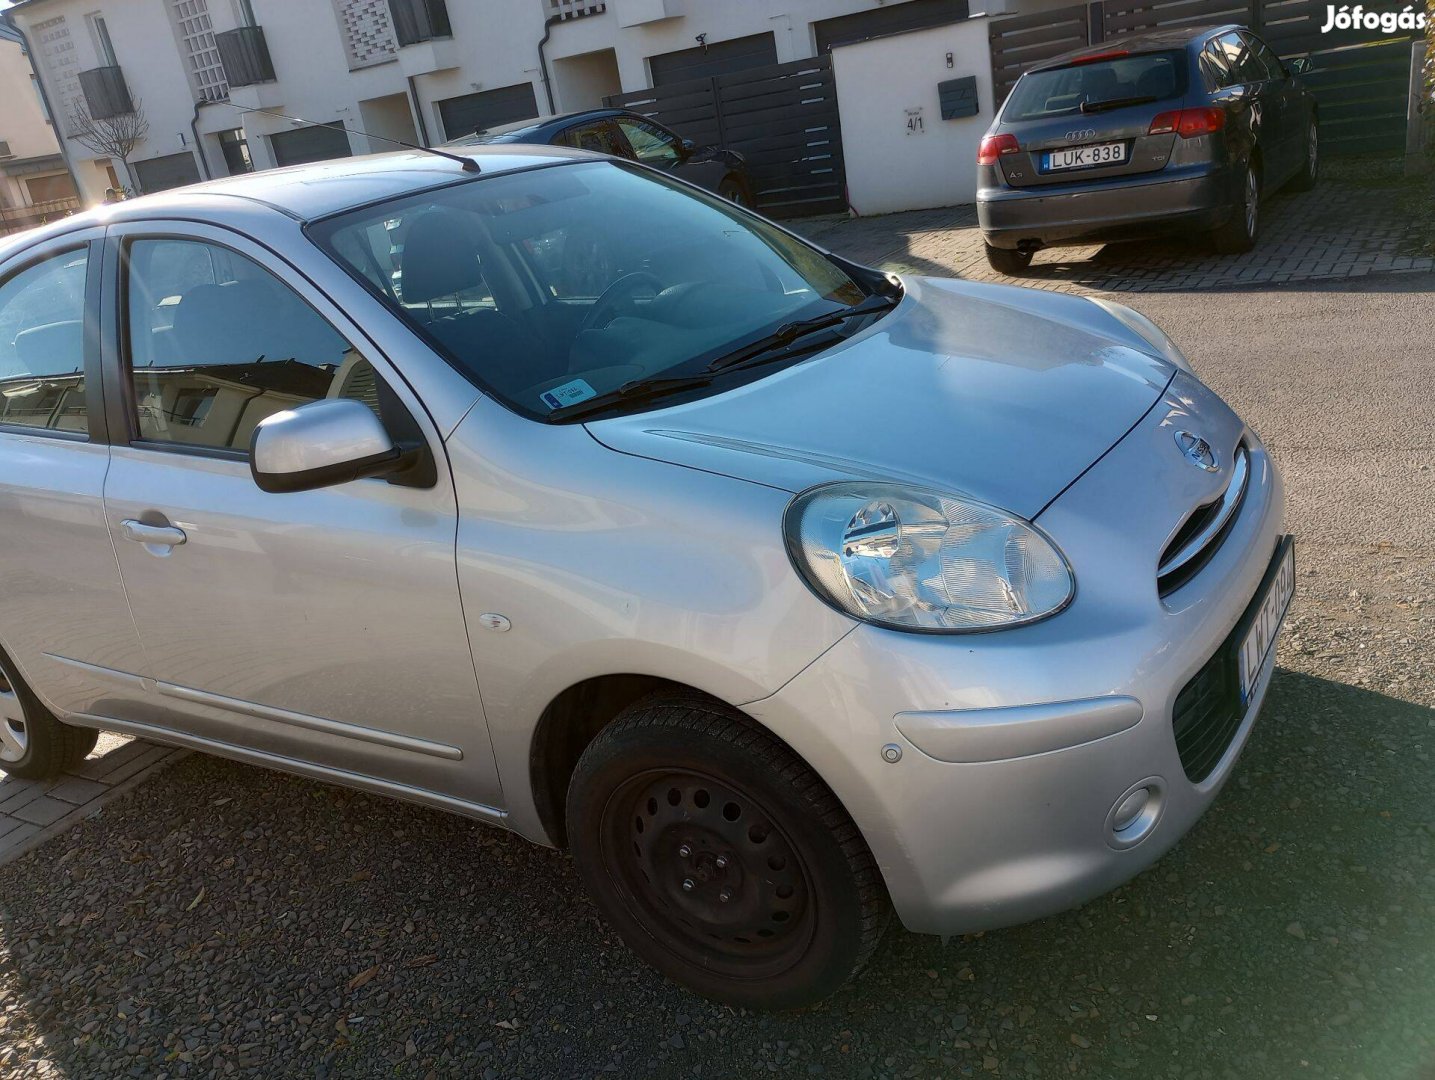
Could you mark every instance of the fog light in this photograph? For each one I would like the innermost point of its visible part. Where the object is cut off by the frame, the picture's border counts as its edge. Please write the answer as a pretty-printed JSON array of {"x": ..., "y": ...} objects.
[
  {"x": 1133, "y": 817},
  {"x": 1130, "y": 808}
]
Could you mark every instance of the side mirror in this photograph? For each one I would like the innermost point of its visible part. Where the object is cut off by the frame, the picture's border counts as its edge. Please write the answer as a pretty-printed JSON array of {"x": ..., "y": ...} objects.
[
  {"x": 1300, "y": 65},
  {"x": 689, "y": 147},
  {"x": 321, "y": 444}
]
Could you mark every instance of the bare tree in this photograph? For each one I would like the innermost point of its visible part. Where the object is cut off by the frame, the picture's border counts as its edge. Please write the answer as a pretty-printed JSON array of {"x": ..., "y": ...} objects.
[{"x": 114, "y": 136}]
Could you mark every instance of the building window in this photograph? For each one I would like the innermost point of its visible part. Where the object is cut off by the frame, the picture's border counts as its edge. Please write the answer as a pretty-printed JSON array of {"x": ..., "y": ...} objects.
[
  {"x": 103, "y": 46},
  {"x": 236, "y": 152}
]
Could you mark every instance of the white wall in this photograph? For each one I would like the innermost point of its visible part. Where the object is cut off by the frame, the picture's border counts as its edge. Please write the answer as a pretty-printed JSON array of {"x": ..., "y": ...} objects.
[
  {"x": 22, "y": 120},
  {"x": 148, "y": 56},
  {"x": 22, "y": 123},
  {"x": 495, "y": 44},
  {"x": 884, "y": 84}
]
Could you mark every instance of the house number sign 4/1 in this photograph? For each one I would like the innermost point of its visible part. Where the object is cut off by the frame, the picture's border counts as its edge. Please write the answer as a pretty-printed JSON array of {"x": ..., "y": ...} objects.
[{"x": 914, "y": 121}]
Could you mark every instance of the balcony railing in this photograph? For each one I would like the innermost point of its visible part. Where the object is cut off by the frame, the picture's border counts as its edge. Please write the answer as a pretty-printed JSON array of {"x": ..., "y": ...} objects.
[
  {"x": 417, "y": 21},
  {"x": 245, "y": 55},
  {"x": 106, "y": 94}
]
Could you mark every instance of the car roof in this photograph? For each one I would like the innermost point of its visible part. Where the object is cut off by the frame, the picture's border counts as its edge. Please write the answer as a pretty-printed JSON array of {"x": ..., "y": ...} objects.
[
  {"x": 307, "y": 192},
  {"x": 1145, "y": 41},
  {"x": 540, "y": 126}
]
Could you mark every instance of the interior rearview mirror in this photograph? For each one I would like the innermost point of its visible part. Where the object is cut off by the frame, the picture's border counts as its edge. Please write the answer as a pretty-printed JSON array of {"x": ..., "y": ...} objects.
[
  {"x": 1299, "y": 65},
  {"x": 322, "y": 444}
]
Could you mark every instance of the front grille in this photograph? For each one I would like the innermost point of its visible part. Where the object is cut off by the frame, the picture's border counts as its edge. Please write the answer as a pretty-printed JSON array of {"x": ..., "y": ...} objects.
[
  {"x": 1207, "y": 714},
  {"x": 1202, "y": 534}
]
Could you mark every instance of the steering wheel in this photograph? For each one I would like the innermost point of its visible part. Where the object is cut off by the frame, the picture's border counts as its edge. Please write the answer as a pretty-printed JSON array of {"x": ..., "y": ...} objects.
[{"x": 605, "y": 308}]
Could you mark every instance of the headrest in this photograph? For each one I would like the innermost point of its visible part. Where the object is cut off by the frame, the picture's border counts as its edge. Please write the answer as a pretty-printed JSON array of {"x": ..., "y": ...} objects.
[
  {"x": 242, "y": 321},
  {"x": 440, "y": 256},
  {"x": 56, "y": 348},
  {"x": 1157, "y": 82},
  {"x": 1100, "y": 84}
]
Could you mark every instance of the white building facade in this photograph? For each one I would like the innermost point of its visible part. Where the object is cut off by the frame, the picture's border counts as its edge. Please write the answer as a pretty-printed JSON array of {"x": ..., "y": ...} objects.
[
  {"x": 419, "y": 71},
  {"x": 34, "y": 180}
]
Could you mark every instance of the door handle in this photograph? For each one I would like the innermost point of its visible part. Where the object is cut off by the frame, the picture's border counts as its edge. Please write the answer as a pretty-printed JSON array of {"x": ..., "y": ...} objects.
[{"x": 166, "y": 536}]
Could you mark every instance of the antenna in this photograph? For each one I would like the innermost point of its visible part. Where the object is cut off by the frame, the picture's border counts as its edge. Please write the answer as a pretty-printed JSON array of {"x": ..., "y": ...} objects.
[{"x": 465, "y": 163}]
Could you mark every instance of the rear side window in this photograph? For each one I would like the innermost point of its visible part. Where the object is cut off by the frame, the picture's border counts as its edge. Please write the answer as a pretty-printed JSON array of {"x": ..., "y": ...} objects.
[
  {"x": 217, "y": 343},
  {"x": 601, "y": 137},
  {"x": 42, "y": 345},
  {"x": 1215, "y": 67},
  {"x": 1146, "y": 77}
]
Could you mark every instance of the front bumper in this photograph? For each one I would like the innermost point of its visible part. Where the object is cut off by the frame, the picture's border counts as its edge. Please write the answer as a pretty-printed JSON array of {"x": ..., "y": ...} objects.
[
  {"x": 1106, "y": 211},
  {"x": 1044, "y": 729}
]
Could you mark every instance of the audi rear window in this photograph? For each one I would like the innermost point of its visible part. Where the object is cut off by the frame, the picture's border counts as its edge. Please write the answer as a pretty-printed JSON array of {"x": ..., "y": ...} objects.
[{"x": 1097, "y": 85}]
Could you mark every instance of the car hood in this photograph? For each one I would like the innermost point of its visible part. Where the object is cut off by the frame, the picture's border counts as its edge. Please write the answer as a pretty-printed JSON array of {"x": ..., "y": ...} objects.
[{"x": 1003, "y": 394}]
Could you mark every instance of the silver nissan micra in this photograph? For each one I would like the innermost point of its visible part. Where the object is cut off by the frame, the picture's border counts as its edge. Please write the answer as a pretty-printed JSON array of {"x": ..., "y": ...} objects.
[{"x": 550, "y": 490}]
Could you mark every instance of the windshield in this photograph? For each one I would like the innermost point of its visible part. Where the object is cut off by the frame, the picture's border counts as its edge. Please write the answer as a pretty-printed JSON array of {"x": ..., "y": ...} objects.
[
  {"x": 1058, "y": 91},
  {"x": 554, "y": 285}
]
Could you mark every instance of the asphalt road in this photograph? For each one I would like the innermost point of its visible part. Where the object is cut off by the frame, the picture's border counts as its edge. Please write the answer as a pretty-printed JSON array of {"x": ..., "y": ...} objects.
[{"x": 227, "y": 920}]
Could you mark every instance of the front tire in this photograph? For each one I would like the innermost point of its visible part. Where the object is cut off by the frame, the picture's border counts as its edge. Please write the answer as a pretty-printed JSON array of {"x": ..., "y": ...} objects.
[
  {"x": 33, "y": 744},
  {"x": 721, "y": 858},
  {"x": 1008, "y": 261},
  {"x": 1240, "y": 232}
]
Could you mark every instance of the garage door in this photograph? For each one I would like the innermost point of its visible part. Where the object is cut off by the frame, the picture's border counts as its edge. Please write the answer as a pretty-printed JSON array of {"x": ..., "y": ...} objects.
[
  {"x": 160, "y": 173},
  {"x": 893, "y": 19},
  {"x": 719, "y": 58},
  {"x": 317, "y": 143},
  {"x": 487, "y": 109}
]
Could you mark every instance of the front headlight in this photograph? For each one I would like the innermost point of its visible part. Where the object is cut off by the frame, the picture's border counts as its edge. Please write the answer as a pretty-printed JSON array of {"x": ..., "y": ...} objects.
[
  {"x": 1145, "y": 329},
  {"x": 910, "y": 559}
]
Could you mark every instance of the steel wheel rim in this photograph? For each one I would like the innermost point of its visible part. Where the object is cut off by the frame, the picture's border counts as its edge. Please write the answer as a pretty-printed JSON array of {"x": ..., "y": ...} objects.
[
  {"x": 664, "y": 833},
  {"x": 14, "y": 737},
  {"x": 1253, "y": 195}
]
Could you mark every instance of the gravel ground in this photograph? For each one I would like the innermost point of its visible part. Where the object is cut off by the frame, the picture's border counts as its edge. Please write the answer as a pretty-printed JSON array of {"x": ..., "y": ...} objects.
[{"x": 227, "y": 920}]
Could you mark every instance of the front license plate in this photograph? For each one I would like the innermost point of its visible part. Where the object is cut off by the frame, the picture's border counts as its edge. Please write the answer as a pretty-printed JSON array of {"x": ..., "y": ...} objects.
[
  {"x": 1260, "y": 636},
  {"x": 1081, "y": 157}
]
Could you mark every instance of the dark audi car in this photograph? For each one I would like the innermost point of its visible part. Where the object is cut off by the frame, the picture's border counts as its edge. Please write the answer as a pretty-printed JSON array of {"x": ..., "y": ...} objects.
[
  {"x": 628, "y": 135},
  {"x": 1175, "y": 131}
]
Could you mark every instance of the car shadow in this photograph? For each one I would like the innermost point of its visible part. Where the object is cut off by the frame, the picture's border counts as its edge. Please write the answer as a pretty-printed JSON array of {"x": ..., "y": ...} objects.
[{"x": 227, "y": 918}]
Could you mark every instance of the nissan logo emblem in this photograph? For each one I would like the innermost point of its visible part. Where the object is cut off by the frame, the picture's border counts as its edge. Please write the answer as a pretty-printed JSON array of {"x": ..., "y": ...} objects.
[{"x": 1197, "y": 451}]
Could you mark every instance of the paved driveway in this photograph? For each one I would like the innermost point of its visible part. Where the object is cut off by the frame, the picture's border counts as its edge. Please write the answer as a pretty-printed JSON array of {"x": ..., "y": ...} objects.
[
  {"x": 225, "y": 920},
  {"x": 1341, "y": 230}
]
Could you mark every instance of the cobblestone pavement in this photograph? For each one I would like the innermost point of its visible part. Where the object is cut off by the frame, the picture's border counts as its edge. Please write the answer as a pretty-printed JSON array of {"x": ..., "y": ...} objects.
[
  {"x": 1337, "y": 231},
  {"x": 32, "y": 811}
]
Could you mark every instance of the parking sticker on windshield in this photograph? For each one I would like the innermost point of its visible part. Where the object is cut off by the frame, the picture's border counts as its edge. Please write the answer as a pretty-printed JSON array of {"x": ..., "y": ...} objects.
[{"x": 570, "y": 393}]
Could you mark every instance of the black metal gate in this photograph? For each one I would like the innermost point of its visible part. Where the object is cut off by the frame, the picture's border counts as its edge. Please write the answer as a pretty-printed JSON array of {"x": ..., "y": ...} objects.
[
  {"x": 783, "y": 117},
  {"x": 1362, "y": 86}
]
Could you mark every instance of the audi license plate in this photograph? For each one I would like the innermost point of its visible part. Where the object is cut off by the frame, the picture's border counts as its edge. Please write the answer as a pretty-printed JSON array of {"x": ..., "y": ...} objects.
[
  {"x": 1265, "y": 619},
  {"x": 1083, "y": 157}
]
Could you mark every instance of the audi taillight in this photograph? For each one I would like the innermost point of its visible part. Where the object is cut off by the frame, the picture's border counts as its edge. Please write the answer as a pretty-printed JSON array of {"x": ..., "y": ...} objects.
[
  {"x": 994, "y": 146},
  {"x": 1188, "y": 123}
]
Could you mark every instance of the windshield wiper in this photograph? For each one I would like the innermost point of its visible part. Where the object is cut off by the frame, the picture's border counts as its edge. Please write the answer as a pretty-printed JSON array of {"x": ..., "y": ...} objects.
[
  {"x": 787, "y": 333},
  {"x": 1115, "y": 103},
  {"x": 637, "y": 390},
  {"x": 779, "y": 345}
]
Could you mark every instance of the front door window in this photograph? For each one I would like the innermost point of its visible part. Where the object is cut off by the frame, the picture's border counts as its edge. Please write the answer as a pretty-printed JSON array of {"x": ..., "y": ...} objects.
[
  {"x": 651, "y": 144},
  {"x": 217, "y": 343}
]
